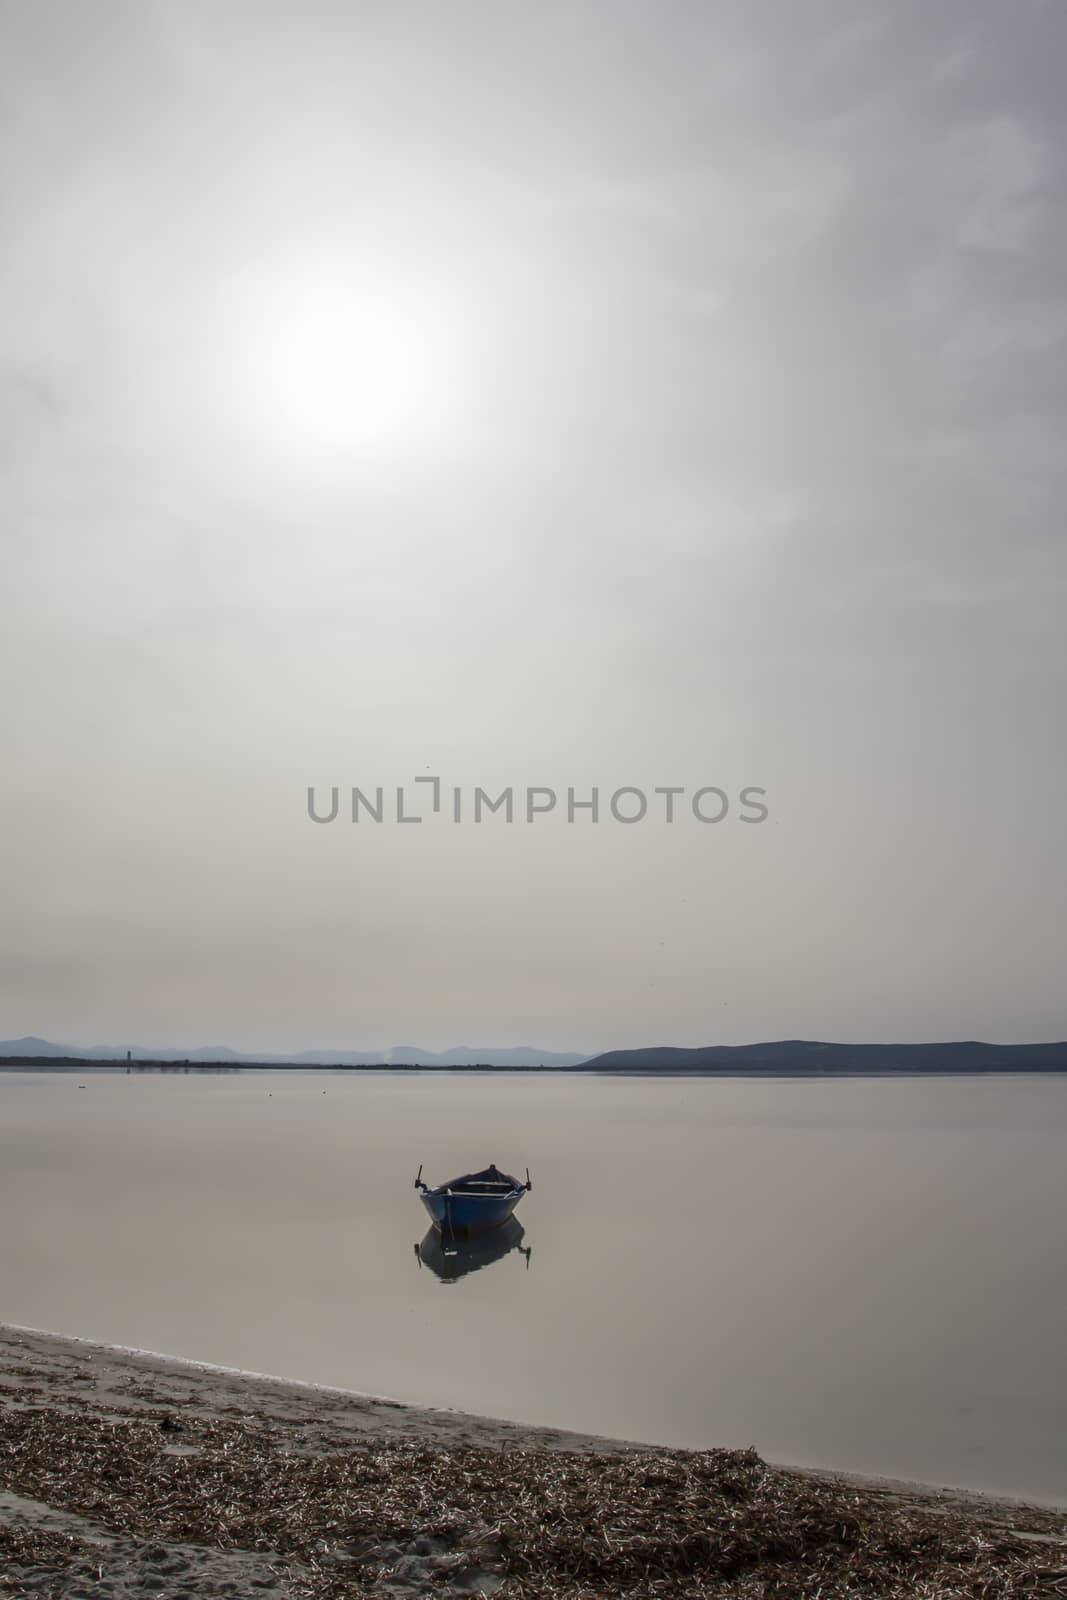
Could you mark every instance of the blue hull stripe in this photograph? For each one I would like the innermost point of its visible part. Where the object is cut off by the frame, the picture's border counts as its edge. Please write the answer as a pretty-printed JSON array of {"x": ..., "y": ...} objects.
[{"x": 470, "y": 1211}]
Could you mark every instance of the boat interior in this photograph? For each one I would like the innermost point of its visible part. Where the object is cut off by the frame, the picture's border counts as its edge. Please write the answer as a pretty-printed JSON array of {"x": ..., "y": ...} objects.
[
  {"x": 468, "y": 1186},
  {"x": 489, "y": 1182}
]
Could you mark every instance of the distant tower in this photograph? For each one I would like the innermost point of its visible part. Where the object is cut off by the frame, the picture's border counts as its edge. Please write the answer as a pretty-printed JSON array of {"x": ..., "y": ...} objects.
[{"x": 127, "y": 1055}]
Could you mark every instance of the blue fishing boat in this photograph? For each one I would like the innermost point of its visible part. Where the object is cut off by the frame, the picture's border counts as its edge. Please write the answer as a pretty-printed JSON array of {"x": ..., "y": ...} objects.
[{"x": 476, "y": 1201}]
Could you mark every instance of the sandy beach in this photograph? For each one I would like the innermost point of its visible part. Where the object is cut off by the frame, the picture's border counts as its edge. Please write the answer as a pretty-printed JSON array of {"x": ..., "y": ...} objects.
[{"x": 129, "y": 1474}]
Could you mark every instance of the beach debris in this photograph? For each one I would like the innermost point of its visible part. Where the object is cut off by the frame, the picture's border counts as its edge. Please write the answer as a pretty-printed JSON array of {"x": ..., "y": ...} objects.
[{"x": 411, "y": 1517}]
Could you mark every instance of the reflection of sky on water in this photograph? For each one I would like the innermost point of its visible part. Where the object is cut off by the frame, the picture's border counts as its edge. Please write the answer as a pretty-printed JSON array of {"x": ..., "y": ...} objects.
[{"x": 830, "y": 1271}]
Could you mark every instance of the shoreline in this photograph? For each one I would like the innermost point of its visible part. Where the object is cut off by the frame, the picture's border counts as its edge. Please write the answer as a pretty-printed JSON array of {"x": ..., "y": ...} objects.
[
  {"x": 143, "y": 1476},
  {"x": 366, "y": 1412},
  {"x": 374, "y": 1411}
]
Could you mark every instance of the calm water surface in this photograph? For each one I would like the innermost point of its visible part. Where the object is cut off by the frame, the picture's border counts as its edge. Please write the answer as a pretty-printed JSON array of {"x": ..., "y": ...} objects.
[{"x": 852, "y": 1274}]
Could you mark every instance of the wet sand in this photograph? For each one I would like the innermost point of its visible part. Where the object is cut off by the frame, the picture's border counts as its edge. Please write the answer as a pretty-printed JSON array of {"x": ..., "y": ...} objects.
[{"x": 72, "y": 1525}]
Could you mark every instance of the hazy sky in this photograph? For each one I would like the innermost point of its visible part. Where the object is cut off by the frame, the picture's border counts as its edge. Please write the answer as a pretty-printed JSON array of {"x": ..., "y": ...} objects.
[{"x": 617, "y": 394}]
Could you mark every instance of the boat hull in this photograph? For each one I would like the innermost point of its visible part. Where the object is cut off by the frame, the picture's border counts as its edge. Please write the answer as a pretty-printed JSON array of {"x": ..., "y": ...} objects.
[{"x": 469, "y": 1213}]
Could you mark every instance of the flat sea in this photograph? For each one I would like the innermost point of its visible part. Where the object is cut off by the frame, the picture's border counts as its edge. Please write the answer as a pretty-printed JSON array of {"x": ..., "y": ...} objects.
[{"x": 847, "y": 1273}]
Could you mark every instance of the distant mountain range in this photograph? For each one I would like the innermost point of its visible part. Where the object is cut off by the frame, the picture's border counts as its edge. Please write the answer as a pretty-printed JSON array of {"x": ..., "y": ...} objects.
[
  {"x": 782, "y": 1057},
  {"x": 397, "y": 1056}
]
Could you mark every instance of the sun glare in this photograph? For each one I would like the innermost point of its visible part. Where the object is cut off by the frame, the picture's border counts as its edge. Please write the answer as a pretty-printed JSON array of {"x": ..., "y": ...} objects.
[{"x": 339, "y": 367}]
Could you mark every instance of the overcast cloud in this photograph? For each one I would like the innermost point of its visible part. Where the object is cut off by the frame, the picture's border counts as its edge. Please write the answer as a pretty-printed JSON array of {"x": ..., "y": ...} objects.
[{"x": 695, "y": 416}]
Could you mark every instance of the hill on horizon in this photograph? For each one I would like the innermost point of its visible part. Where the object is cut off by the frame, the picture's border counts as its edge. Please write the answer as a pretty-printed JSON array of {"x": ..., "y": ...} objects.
[{"x": 814, "y": 1056}]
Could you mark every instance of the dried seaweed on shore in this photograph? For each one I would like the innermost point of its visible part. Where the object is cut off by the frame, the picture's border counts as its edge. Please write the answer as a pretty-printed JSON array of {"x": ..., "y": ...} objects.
[
  {"x": 632, "y": 1525},
  {"x": 23, "y": 1545}
]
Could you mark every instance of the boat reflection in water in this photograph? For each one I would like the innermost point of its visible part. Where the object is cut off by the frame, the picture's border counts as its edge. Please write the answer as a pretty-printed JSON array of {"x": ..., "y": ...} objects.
[{"x": 458, "y": 1257}]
